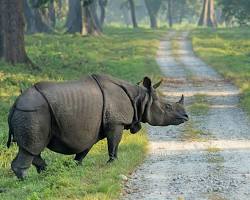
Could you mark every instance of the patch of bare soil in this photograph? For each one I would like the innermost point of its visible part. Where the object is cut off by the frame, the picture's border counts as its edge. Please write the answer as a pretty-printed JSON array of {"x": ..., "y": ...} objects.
[{"x": 212, "y": 161}]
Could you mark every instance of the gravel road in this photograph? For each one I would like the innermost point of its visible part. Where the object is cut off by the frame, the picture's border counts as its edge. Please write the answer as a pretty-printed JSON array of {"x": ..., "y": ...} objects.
[{"x": 215, "y": 164}]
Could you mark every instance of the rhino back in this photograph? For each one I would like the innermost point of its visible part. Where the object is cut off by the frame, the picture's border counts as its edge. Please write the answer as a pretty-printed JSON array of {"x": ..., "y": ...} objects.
[
  {"x": 118, "y": 106},
  {"x": 77, "y": 107},
  {"x": 30, "y": 100}
]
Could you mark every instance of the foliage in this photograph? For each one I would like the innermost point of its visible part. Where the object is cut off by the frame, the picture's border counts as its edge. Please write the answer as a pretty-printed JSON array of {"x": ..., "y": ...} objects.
[
  {"x": 39, "y": 3},
  {"x": 228, "y": 51},
  {"x": 154, "y": 5},
  {"x": 236, "y": 8},
  {"x": 183, "y": 10},
  {"x": 125, "y": 53}
]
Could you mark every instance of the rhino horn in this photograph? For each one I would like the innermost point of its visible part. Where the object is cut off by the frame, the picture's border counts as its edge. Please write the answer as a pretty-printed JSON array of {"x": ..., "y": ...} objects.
[
  {"x": 181, "y": 101},
  {"x": 157, "y": 84}
]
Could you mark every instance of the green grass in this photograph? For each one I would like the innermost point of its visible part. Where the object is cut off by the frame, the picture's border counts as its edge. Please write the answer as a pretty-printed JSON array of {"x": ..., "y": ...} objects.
[
  {"x": 199, "y": 106},
  {"x": 191, "y": 133},
  {"x": 228, "y": 51},
  {"x": 125, "y": 53}
]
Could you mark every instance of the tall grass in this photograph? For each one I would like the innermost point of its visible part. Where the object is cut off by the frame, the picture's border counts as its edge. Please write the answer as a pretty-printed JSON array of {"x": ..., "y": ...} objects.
[
  {"x": 124, "y": 53},
  {"x": 228, "y": 51}
]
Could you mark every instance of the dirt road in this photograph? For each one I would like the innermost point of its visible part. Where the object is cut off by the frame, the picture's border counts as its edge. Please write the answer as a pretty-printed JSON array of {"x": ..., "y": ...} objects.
[{"x": 207, "y": 158}]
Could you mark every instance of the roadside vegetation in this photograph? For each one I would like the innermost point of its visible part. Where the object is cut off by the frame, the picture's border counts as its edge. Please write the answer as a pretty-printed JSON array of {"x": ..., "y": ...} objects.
[
  {"x": 199, "y": 105},
  {"x": 125, "y": 53},
  {"x": 228, "y": 51}
]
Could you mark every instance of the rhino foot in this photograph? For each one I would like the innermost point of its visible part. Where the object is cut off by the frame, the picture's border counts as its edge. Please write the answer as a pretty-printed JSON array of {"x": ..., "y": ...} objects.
[
  {"x": 78, "y": 163},
  {"x": 39, "y": 169},
  {"x": 20, "y": 173},
  {"x": 21, "y": 163},
  {"x": 111, "y": 160},
  {"x": 39, "y": 163}
]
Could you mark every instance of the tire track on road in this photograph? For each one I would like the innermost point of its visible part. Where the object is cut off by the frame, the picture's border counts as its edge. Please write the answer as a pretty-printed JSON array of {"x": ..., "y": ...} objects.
[{"x": 215, "y": 165}]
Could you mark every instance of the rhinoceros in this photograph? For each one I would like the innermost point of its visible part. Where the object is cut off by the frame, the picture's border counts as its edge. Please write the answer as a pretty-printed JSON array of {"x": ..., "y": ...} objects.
[{"x": 70, "y": 117}]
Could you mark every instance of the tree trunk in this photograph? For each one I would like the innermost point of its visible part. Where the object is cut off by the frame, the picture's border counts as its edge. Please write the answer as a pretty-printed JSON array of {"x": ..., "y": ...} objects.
[
  {"x": 170, "y": 17},
  {"x": 52, "y": 14},
  {"x": 12, "y": 26},
  {"x": 59, "y": 13},
  {"x": 1, "y": 30},
  {"x": 74, "y": 19},
  {"x": 90, "y": 19},
  {"x": 40, "y": 25},
  {"x": 152, "y": 15},
  {"x": 102, "y": 4},
  {"x": 182, "y": 11},
  {"x": 132, "y": 10},
  {"x": 211, "y": 14},
  {"x": 93, "y": 8},
  {"x": 203, "y": 16},
  {"x": 207, "y": 17},
  {"x": 29, "y": 17},
  {"x": 125, "y": 16},
  {"x": 34, "y": 19}
]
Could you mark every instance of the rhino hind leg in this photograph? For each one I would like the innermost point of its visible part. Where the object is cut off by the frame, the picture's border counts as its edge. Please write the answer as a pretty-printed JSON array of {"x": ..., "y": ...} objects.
[
  {"x": 39, "y": 163},
  {"x": 80, "y": 156},
  {"x": 21, "y": 163}
]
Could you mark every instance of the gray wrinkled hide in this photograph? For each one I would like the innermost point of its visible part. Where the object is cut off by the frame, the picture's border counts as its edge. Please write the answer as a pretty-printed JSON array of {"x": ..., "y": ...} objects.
[
  {"x": 77, "y": 107},
  {"x": 73, "y": 121},
  {"x": 25, "y": 126},
  {"x": 124, "y": 102},
  {"x": 70, "y": 117}
]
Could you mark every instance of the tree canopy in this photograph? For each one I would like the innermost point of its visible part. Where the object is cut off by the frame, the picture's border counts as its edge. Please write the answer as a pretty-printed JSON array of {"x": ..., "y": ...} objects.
[{"x": 238, "y": 9}]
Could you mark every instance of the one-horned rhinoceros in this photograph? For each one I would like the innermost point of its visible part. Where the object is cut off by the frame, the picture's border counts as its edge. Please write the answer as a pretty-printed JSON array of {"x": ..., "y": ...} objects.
[{"x": 70, "y": 117}]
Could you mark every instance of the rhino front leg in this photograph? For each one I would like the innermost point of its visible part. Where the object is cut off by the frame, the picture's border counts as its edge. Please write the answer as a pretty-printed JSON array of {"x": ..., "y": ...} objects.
[
  {"x": 39, "y": 163},
  {"x": 21, "y": 163},
  {"x": 80, "y": 156},
  {"x": 114, "y": 137}
]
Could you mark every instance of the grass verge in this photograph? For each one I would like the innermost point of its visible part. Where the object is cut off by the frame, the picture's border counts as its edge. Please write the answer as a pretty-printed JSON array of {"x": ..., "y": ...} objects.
[
  {"x": 192, "y": 133},
  {"x": 125, "y": 53},
  {"x": 228, "y": 51},
  {"x": 199, "y": 106}
]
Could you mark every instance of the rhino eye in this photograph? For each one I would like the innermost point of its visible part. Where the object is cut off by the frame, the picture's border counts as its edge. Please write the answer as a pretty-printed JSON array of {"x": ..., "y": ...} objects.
[{"x": 168, "y": 107}]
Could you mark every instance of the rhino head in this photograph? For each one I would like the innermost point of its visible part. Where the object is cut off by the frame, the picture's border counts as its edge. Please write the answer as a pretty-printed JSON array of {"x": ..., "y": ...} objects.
[{"x": 159, "y": 112}]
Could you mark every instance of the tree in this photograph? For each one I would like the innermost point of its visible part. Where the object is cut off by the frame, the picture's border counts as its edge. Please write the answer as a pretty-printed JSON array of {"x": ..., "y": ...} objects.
[
  {"x": 170, "y": 17},
  {"x": 12, "y": 32},
  {"x": 102, "y": 4},
  {"x": 238, "y": 9},
  {"x": 60, "y": 5},
  {"x": 52, "y": 14},
  {"x": 34, "y": 19},
  {"x": 132, "y": 11},
  {"x": 182, "y": 5},
  {"x": 74, "y": 18},
  {"x": 1, "y": 29},
  {"x": 90, "y": 20},
  {"x": 207, "y": 17},
  {"x": 153, "y": 6}
]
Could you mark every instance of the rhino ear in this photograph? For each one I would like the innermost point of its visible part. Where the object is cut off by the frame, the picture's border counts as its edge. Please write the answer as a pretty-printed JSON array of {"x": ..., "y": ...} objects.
[
  {"x": 147, "y": 83},
  {"x": 138, "y": 83},
  {"x": 181, "y": 101},
  {"x": 157, "y": 84}
]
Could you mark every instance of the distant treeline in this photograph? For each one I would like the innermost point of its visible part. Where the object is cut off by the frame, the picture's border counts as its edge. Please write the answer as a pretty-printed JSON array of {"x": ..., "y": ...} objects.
[{"x": 88, "y": 17}]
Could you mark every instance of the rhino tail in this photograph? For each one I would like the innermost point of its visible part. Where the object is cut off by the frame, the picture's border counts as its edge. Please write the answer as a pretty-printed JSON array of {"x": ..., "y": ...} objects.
[
  {"x": 12, "y": 110},
  {"x": 9, "y": 139}
]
